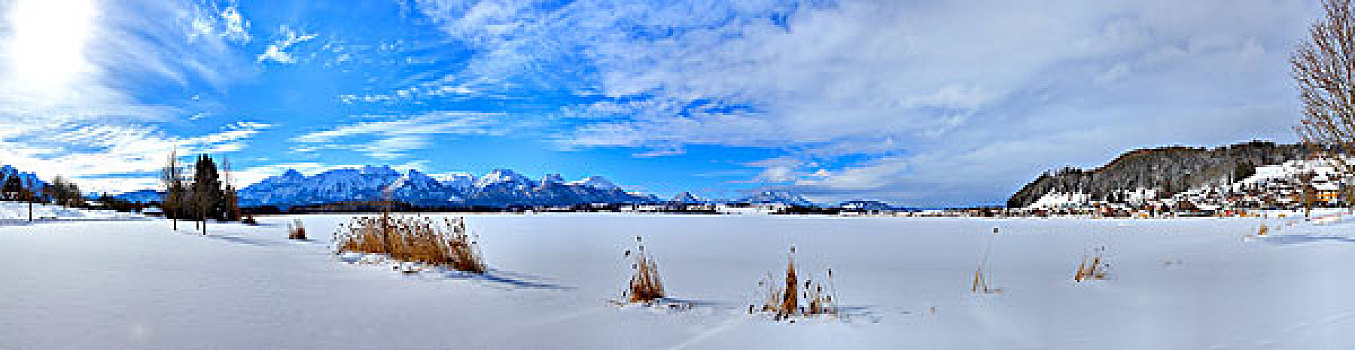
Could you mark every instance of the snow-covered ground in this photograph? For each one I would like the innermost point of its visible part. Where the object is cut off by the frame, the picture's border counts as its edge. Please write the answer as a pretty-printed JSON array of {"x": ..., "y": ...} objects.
[
  {"x": 1174, "y": 284},
  {"x": 12, "y": 212}
]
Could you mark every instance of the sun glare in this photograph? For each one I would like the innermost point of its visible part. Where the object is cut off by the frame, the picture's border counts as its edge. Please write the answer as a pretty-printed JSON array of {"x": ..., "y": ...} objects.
[{"x": 47, "y": 42}]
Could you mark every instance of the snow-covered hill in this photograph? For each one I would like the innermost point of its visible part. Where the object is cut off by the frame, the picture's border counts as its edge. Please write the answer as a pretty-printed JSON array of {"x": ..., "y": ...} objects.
[{"x": 1277, "y": 184}]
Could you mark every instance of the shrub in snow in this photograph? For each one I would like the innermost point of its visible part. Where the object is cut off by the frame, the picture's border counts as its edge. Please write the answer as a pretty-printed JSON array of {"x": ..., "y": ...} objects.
[
  {"x": 783, "y": 297},
  {"x": 645, "y": 285},
  {"x": 413, "y": 239}
]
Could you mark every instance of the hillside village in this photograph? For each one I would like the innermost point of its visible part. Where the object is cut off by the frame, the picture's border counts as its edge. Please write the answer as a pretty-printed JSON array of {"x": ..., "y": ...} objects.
[{"x": 1292, "y": 185}]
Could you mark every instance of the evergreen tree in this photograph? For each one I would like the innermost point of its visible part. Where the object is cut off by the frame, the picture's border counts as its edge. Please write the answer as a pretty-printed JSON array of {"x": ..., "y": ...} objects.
[
  {"x": 12, "y": 187},
  {"x": 206, "y": 191}
]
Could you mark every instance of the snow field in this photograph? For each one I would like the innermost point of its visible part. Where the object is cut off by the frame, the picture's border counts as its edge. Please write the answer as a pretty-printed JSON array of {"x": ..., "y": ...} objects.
[
  {"x": 14, "y": 212},
  {"x": 1174, "y": 284}
]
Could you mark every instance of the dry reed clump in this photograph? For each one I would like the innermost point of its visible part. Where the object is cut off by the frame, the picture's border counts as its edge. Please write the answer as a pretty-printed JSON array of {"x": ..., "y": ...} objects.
[
  {"x": 645, "y": 285},
  {"x": 1094, "y": 269},
  {"x": 783, "y": 300},
  {"x": 981, "y": 277},
  {"x": 296, "y": 230},
  {"x": 413, "y": 239}
]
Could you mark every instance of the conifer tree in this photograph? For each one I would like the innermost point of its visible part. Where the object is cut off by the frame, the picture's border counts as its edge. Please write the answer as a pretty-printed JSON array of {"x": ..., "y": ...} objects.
[{"x": 206, "y": 191}]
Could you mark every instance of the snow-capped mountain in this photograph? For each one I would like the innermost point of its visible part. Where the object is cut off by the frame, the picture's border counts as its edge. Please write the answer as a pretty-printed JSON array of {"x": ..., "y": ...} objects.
[
  {"x": 597, "y": 182},
  {"x": 458, "y": 181},
  {"x": 503, "y": 178},
  {"x": 781, "y": 197},
  {"x": 416, "y": 187},
  {"x": 141, "y": 196},
  {"x": 348, "y": 184},
  {"x": 686, "y": 197},
  {"x": 500, "y": 187},
  {"x": 552, "y": 178}
]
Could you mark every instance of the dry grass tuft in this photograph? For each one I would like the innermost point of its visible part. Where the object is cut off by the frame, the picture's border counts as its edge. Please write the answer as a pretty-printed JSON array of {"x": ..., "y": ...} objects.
[
  {"x": 783, "y": 300},
  {"x": 1094, "y": 269},
  {"x": 413, "y": 239},
  {"x": 645, "y": 285},
  {"x": 296, "y": 230}
]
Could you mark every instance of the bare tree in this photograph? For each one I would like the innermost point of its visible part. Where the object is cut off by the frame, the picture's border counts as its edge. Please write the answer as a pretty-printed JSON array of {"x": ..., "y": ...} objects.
[
  {"x": 1324, "y": 68},
  {"x": 230, "y": 201},
  {"x": 172, "y": 177}
]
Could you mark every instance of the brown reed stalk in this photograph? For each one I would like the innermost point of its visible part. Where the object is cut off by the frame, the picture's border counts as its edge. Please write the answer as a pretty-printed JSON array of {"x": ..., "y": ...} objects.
[
  {"x": 645, "y": 284},
  {"x": 1094, "y": 269},
  {"x": 413, "y": 239},
  {"x": 783, "y": 299}
]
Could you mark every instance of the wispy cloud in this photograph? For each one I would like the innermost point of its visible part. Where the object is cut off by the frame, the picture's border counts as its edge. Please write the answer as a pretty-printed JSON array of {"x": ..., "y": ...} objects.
[
  {"x": 74, "y": 73},
  {"x": 390, "y": 137},
  {"x": 103, "y": 152}
]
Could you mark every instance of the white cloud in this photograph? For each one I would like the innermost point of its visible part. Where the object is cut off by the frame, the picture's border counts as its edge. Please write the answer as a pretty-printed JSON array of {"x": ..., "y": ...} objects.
[
  {"x": 943, "y": 102},
  {"x": 226, "y": 23},
  {"x": 65, "y": 71},
  {"x": 277, "y": 51},
  {"x": 109, "y": 157}
]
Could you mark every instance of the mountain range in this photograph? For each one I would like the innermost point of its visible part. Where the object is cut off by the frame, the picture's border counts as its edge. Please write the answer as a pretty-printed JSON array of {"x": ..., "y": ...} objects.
[{"x": 498, "y": 188}]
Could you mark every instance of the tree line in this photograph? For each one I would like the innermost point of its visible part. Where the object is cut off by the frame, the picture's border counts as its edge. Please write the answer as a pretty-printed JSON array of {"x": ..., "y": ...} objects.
[
  {"x": 205, "y": 194},
  {"x": 60, "y": 192}
]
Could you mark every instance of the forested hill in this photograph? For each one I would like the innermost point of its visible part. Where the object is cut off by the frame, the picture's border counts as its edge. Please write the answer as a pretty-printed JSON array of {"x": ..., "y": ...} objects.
[{"x": 1167, "y": 169}]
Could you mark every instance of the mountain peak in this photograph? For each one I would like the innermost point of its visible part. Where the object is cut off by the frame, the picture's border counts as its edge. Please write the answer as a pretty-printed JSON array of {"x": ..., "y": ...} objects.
[
  {"x": 501, "y": 175},
  {"x": 782, "y": 197},
  {"x": 458, "y": 181},
  {"x": 686, "y": 197},
  {"x": 597, "y": 182},
  {"x": 378, "y": 170}
]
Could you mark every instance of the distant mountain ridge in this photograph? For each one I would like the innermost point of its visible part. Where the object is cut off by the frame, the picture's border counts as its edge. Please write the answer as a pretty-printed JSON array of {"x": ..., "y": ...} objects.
[
  {"x": 1167, "y": 170},
  {"x": 498, "y": 188},
  {"x": 29, "y": 180}
]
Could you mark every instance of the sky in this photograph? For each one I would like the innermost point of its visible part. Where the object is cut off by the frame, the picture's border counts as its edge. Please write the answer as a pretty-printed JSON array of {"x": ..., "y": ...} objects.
[{"x": 917, "y": 103}]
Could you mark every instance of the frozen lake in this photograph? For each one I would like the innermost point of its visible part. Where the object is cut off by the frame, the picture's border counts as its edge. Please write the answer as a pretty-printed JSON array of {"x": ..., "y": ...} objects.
[{"x": 1174, "y": 284}]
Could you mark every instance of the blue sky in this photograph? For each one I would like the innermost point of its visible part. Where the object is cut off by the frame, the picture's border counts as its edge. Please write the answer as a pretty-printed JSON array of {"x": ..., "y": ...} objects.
[{"x": 920, "y": 103}]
